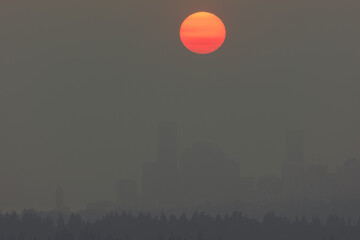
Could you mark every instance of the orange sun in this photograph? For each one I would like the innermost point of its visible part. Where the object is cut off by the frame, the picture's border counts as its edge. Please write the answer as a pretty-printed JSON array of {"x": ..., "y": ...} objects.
[{"x": 202, "y": 33}]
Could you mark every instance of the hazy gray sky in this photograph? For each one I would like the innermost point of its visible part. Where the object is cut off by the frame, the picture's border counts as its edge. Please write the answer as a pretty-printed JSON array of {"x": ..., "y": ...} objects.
[{"x": 83, "y": 85}]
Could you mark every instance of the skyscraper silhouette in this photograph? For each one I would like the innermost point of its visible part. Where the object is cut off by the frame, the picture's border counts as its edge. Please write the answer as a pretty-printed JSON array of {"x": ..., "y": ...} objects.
[
  {"x": 167, "y": 147},
  {"x": 209, "y": 176},
  {"x": 126, "y": 193},
  {"x": 59, "y": 198},
  {"x": 348, "y": 179},
  {"x": 293, "y": 168},
  {"x": 160, "y": 180},
  {"x": 295, "y": 145}
]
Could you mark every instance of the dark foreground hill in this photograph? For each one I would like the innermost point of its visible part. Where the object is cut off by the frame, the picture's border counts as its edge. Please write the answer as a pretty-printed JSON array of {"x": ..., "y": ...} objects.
[{"x": 200, "y": 226}]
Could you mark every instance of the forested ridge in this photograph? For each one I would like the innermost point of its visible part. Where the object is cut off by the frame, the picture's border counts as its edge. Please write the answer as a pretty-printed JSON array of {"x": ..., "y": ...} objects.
[{"x": 199, "y": 226}]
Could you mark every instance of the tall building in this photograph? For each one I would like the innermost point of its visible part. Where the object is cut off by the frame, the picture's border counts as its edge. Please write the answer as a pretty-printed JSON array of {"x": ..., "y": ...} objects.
[
  {"x": 295, "y": 145},
  {"x": 269, "y": 188},
  {"x": 126, "y": 193},
  {"x": 167, "y": 147},
  {"x": 151, "y": 181},
  {"x": 59, "y": 198},
  {"x": 317, "y": 183},
  {"x": 348, "y": 180},
  {"x": 293, "y": 168},
  {"x": 160, "y": 180},
  {"x": 209, "y": 177}
]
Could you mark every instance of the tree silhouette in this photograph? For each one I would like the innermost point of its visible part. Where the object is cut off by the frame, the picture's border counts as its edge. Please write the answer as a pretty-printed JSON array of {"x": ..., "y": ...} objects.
[{"x": 29, "y": 226}]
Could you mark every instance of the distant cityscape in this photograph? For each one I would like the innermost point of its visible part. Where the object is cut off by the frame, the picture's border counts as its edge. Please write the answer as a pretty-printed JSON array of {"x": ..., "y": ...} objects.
[{"x": 204, "y": 176}]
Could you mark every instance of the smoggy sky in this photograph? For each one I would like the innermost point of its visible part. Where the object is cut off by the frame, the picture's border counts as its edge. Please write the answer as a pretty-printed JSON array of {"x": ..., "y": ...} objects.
[{"x": 84, "y": 84}]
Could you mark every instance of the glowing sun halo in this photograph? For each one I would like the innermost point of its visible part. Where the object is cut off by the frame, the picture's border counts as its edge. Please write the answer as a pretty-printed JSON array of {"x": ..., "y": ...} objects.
[{"x": 202, "y": 32}]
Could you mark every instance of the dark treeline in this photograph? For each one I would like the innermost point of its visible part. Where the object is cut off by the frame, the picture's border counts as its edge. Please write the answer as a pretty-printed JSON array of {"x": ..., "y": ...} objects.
[{"x": 200, "y": 226}]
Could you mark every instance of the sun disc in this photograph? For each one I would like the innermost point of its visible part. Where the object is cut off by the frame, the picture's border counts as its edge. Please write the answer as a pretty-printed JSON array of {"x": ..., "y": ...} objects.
[{"x": 202, "y": 32}]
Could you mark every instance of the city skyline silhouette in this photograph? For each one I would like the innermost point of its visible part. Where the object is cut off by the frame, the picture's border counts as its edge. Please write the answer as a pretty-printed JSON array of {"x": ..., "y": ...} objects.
[
  {"x": 85, "y": 84},
  {"x": 179, "y": 120},
  {"x": 204, "y": 177}
]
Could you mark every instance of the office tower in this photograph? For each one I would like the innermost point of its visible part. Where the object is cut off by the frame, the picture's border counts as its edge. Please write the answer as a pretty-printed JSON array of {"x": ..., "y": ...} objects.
[
  {"x": 150, "y": 185},
  {"x": 295, "y": 145},
  {"x": 317, "y": 183},
  {"x": 59, "y": 204},
  {"x": 160, "y": 180},
  {"x": 126, "y": 193},
  {"x": 167, "y": 147},
  {"x": 208, "y": 176},
  {"x": 269, "y": 188},
  {"x": 348, "y": 180},
  {"x": 293, "y": 168}
]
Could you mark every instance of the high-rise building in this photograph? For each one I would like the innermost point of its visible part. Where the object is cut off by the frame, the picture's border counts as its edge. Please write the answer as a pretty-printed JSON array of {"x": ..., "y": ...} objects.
[
  {"x": 167, "y": 147},
  {"x": 160, "y": 180},
  {"x": 126, "y": 193},
  {"x": 150, "y": 183},
  {"x": 208, "y": 176},
  {"x": 269, "y": 188},
  {"x": 59, "y": 198},
  {"x": 317, "y": 183},
  {"x": 348, "y": 180},
  {"x": 293, "y": 168},
  {"x": 295, "y": 145}
]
